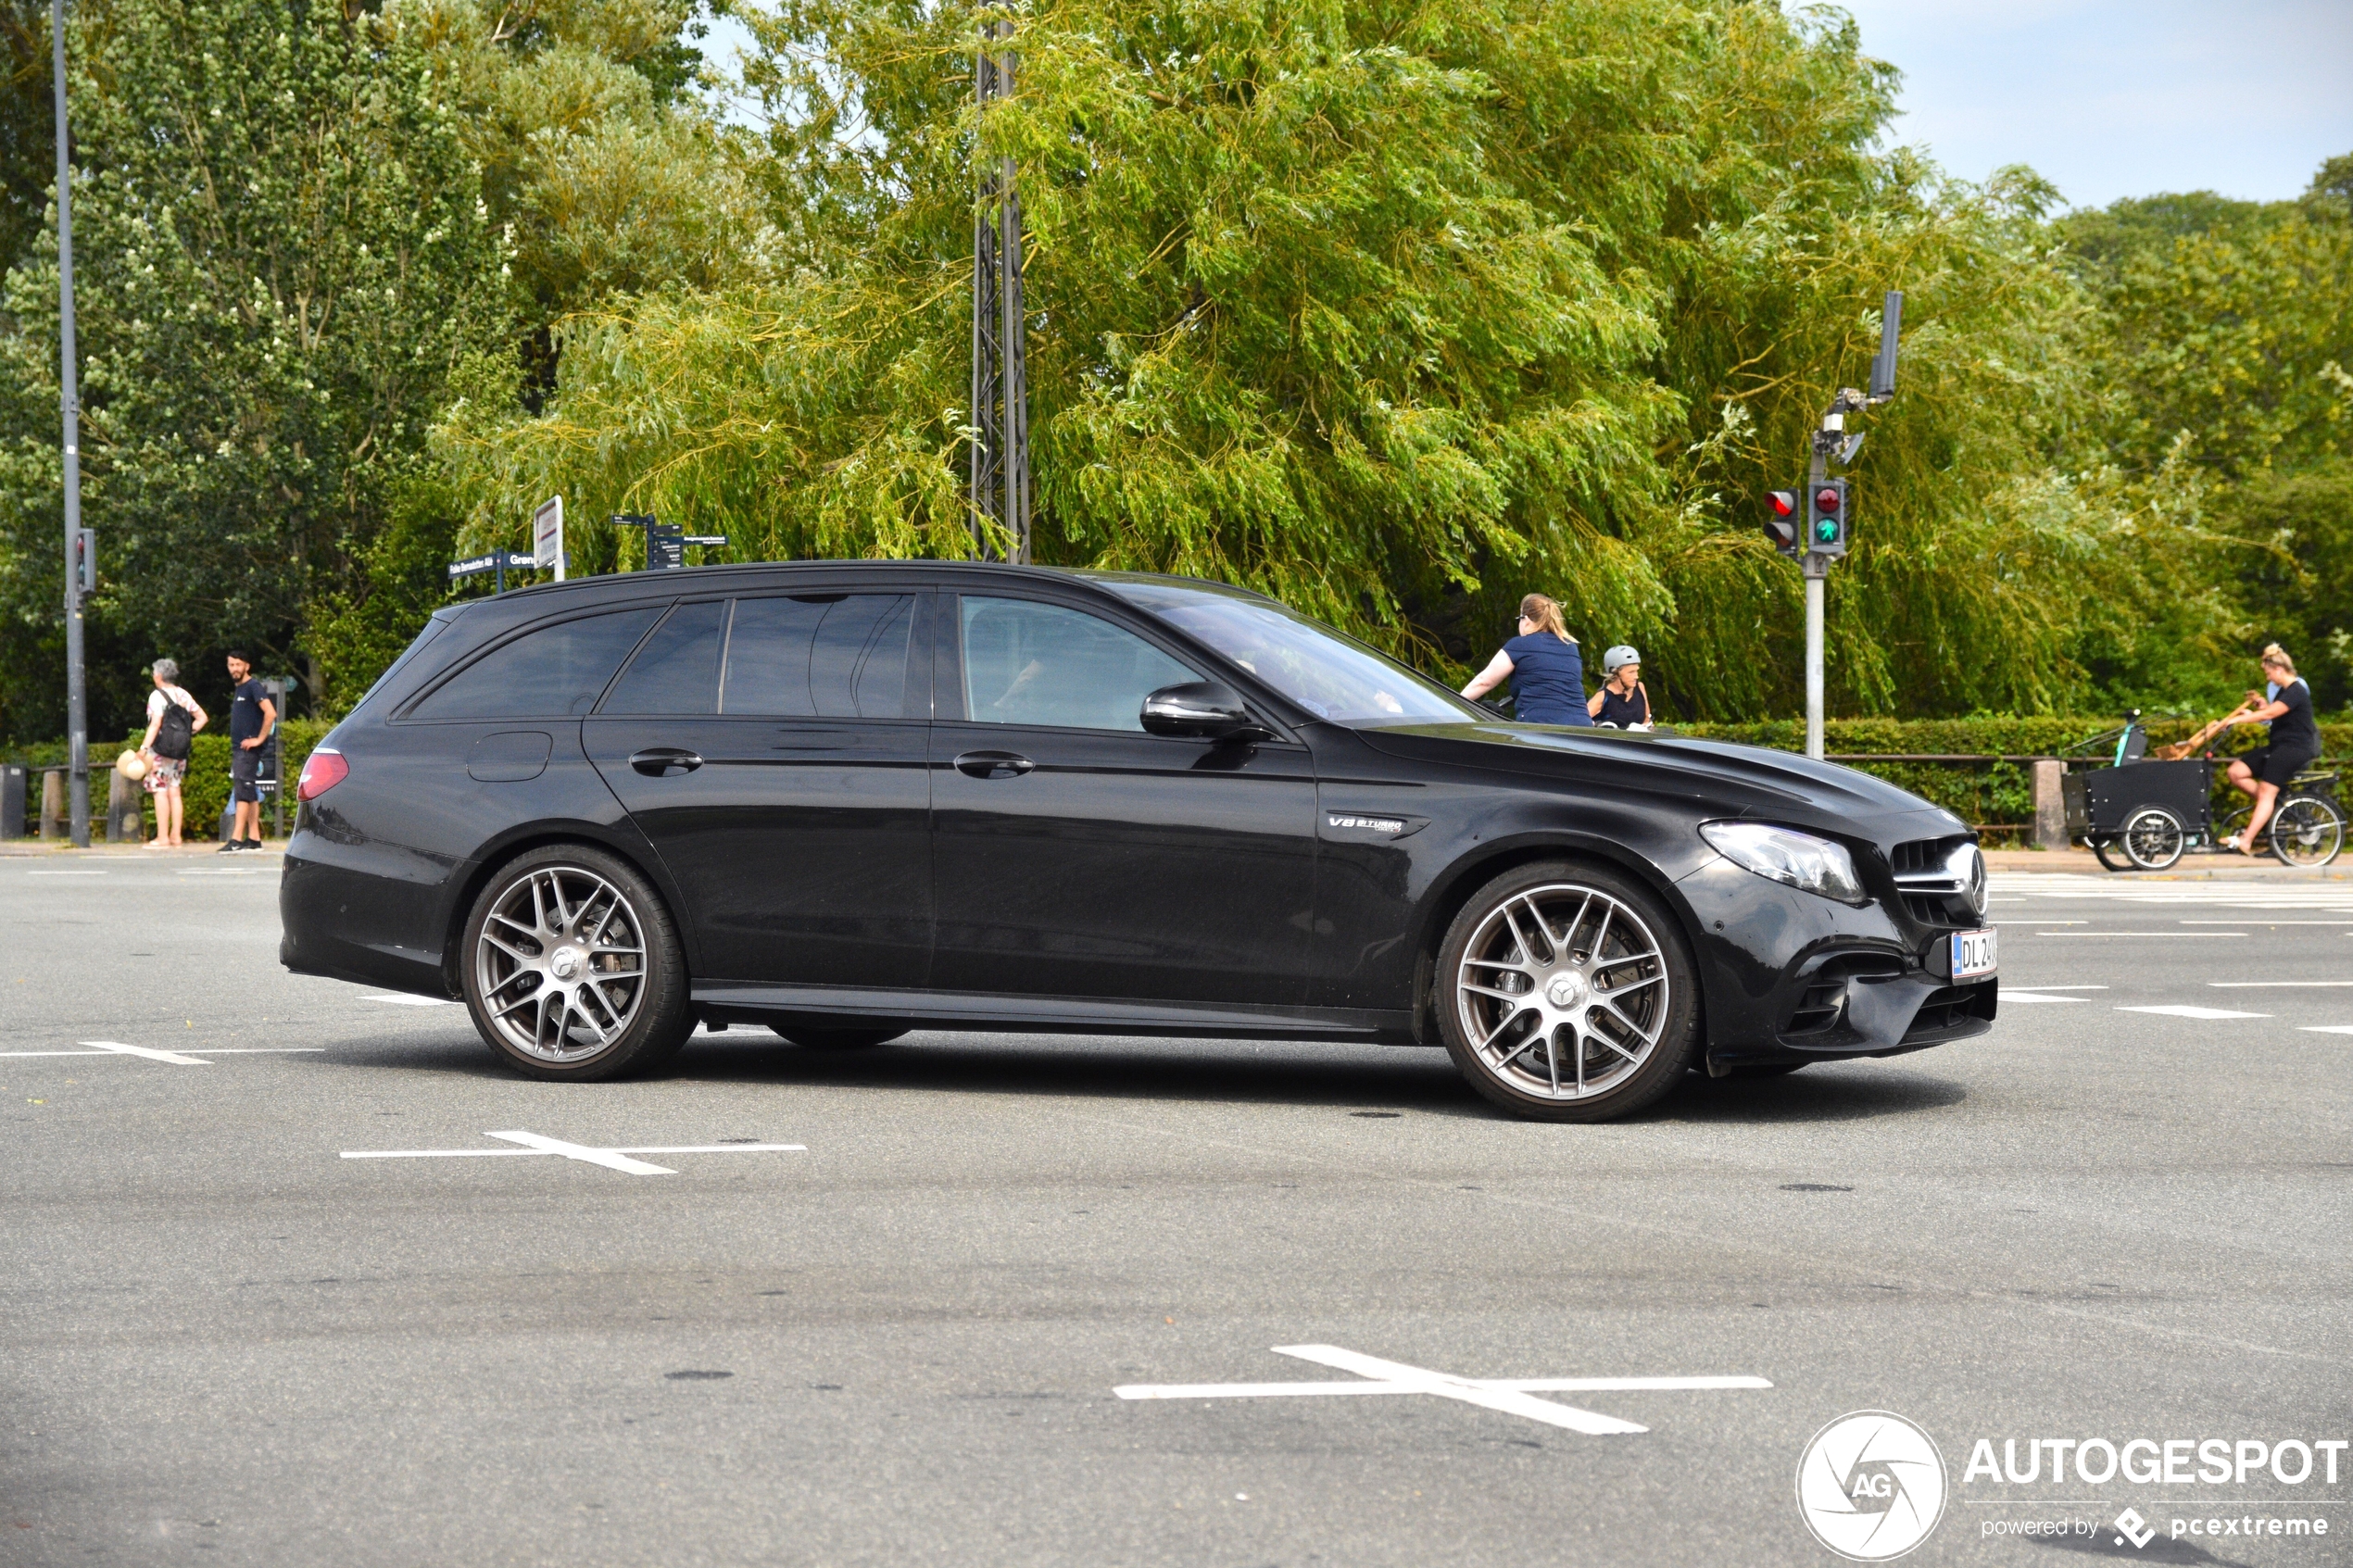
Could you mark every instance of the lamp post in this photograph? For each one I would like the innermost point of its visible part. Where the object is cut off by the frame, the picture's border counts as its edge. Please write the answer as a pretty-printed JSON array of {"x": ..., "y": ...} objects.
[
  {"x": 1000, "y": 477},
  {"x": 69, "y": 401}
]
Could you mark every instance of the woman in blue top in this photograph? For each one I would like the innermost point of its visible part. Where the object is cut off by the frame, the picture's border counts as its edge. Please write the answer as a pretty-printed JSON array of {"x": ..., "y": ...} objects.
[{"x": 1543, "y": 666}]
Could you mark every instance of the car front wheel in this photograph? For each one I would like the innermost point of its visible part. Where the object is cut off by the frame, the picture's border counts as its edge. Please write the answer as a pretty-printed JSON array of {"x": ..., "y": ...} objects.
[
  {"x": 1567, "y": 994},
  {"x": 573, "y": 968}
]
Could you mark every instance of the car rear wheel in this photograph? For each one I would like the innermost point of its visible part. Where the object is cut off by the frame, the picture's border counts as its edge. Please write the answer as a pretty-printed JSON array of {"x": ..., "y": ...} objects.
[
  {"x": 1569, "y": 995},
  {"x": 839, "y": 1039},
  {"x": 574, "y": 970}
]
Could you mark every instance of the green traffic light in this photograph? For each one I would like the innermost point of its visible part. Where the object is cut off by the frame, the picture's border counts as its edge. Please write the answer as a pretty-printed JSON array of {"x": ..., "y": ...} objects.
[{"x": 1826, "y": 531}]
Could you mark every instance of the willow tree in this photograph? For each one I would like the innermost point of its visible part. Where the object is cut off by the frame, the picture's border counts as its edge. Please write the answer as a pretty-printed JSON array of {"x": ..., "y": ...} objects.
[{"x": 1393, "y": 312}]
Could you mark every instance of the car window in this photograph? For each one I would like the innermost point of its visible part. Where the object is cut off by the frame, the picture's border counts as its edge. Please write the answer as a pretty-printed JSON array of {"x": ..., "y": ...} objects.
[
  {"x": 834, "y": 656},
  {"x": 1030, "y": 663},
  {"x": 557, "y": 669},
  {"x": 1330, "y": 675},
  {"x": 677, "y": 672}
]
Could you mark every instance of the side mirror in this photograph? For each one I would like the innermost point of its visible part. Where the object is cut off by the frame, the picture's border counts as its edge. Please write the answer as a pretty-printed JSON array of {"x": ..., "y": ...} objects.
[{"x": 1200, "y": 710}]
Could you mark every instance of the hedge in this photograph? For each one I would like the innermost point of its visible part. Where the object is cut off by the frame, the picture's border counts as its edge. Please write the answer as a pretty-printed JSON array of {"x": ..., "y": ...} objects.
[
  {"x": 203, "y": 793},
  {"x": 1992, "y": 794}
]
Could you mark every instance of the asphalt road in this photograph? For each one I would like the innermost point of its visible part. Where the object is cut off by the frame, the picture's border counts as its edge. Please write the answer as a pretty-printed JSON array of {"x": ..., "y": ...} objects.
[{"x": 225, "y": 1343}]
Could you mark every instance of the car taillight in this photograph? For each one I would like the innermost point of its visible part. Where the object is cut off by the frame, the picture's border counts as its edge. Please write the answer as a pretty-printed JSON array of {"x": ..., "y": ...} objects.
[{"x": 322, "y": 770}]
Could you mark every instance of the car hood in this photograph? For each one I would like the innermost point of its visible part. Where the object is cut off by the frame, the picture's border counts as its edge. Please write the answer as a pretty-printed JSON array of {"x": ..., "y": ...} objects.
[{"x": 1707, "y": 777}]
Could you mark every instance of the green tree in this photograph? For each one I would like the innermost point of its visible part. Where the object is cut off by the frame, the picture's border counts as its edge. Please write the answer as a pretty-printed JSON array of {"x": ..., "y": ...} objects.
[
  {"x": 281, "y": 254},
  {"x": 1395, "y": 313}
]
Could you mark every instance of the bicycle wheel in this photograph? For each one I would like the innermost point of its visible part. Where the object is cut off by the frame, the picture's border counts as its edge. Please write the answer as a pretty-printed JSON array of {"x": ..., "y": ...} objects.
[
  {"x": 2110, "y": 854},
  {"x": 2152, "y": 838},
  {"x": 2307, "y": 831}
]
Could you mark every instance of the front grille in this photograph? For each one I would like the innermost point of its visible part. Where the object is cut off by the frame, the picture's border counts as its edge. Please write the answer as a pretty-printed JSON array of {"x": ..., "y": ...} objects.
[{"x": 1931, "y": 893}]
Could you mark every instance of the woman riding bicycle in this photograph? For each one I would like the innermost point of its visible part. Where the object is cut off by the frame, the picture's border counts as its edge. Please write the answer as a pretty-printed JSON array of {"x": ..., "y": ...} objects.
[{"x": 2296, "y": 741}]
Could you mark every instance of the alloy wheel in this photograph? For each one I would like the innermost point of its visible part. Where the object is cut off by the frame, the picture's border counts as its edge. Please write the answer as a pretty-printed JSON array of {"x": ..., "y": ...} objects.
[
  {"x": 1562, "y": 991},
  {"x": 560, "y": 965}
]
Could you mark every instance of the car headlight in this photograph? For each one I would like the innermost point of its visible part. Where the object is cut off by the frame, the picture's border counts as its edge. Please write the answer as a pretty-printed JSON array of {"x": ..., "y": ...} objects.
[{"x": 1785, "y": 854}]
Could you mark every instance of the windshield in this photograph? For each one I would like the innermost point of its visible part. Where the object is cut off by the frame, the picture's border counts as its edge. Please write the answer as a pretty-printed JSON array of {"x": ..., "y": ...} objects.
[{"x": 1329, "y": 675}]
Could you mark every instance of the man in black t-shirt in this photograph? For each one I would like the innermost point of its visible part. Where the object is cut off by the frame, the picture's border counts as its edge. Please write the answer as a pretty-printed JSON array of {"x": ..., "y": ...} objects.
[
  {"x": 2295, "y": 742},
  {"x": 251, "y": 718}
]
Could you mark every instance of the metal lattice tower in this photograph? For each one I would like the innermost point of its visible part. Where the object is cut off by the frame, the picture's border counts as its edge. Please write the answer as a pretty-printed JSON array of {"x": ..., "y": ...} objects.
[{"x": 1001, "y": 381}]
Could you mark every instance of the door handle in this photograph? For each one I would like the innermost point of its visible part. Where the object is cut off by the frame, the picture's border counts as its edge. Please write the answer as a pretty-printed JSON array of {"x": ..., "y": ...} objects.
[
  {"x": 993, "y": 764},
  {"x": 664, "y": 761}
]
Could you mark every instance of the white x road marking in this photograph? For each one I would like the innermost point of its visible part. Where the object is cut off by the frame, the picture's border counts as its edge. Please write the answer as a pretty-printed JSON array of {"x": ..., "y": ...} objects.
[
  {"x": 1509, "y": 1394},
  {"x": 610, "y": 1159}
]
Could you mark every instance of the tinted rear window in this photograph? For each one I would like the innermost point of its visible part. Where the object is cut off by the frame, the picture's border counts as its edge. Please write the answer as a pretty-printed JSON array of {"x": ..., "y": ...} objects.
[
  {"x": 835, "y": 656},
  {"x": 554, "y": 672},
  {"x": 677, "y": 672}
]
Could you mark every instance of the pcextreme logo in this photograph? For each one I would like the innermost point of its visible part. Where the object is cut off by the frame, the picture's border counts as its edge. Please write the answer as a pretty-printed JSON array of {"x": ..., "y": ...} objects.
[{"x": 1870, "y": 1486}]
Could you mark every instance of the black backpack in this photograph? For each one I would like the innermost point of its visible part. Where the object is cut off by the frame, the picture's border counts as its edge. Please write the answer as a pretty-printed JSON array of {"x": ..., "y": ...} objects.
[{"x": 175, "y": 732}]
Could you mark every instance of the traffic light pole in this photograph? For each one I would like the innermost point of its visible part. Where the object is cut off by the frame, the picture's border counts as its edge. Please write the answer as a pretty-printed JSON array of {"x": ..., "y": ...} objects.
[
  {"x": 1818, "y": 570},
  {"x": 69, "y": 405},
  {"x": 1817, "y": 527}
]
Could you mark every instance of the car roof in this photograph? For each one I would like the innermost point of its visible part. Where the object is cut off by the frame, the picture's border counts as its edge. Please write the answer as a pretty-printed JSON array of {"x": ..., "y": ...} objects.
[{"x": 693, "y": 579}]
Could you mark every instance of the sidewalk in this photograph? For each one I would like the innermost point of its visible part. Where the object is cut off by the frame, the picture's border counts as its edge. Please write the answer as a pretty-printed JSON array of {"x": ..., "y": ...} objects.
[
  {"x": 40, "y": 848},
  {"x": 2189, "y": 867}
]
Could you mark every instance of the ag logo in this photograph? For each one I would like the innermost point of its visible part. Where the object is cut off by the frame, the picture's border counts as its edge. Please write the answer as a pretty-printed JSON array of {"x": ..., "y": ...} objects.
[{"x": 1870, "y": 1486}]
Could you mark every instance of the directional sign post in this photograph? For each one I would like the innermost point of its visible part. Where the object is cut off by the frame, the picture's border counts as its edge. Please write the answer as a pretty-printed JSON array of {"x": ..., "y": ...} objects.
[
  {"x": 499, "y": 561},
  {"x": 665, "y": 542}
]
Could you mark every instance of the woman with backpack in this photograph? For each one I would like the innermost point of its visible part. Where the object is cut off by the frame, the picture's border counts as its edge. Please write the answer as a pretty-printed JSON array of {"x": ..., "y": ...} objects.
[{"x": 173, "y": 719}]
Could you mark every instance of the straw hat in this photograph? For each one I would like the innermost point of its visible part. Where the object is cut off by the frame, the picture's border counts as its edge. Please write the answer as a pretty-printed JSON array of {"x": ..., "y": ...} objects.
[{"x": 132, "y": 766}]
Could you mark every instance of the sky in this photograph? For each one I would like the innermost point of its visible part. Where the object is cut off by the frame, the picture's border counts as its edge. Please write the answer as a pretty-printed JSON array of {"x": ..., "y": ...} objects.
[
  {"x": 2114, "y": 98},
  {"x": 2104, "y": 98}
]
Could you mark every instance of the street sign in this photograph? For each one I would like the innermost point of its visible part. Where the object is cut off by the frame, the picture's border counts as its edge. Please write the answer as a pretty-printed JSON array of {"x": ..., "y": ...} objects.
[
  {"x": 507, "y": 561},
  {"x": 548, "y": 535},
  {"x": 665, "y": 546},
  {"x": 499, "y": 561}
]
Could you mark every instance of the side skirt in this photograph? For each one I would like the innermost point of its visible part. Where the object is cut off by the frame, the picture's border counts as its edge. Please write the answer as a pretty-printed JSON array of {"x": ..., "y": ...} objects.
[{"x": 848, "y": 1005}]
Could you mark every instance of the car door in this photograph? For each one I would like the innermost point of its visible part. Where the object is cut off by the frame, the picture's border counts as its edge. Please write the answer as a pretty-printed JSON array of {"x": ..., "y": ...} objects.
[
  {"x": 1077, "y": 856},
  {"x": 772, "y": 748}
]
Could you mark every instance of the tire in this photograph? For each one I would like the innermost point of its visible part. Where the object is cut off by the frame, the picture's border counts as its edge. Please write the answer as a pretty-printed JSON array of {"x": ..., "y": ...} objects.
[
  {"x": 2109, "y": 855},
  {"x": 839, "y": 1039},
  {"x": 570, "y": 921},
  {"x": 2152, "y": 838},
  {"x": 1499, "y": 1000},
  {"x": 2306, "y": 832}
]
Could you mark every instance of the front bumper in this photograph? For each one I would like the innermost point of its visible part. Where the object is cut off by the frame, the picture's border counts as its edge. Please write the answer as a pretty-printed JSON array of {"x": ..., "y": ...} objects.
[{"x": 1793, "y": 977}]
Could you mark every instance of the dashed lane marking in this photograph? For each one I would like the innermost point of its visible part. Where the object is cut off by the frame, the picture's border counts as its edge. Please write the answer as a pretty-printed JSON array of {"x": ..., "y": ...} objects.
[
  {"x": 190, "y": 1057},
  {"x": 1511, "y": 1396},
  {"x": 2035, "y": 996},
  {"x": 610, "y": 1159},
  {"x": 413, "y": 1001},
  {"x": 2178, "y": 1012}
]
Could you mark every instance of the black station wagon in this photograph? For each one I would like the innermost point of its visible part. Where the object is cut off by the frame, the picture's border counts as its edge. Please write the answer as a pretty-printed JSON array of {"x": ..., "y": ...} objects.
[{"x": 849, "y": 799}]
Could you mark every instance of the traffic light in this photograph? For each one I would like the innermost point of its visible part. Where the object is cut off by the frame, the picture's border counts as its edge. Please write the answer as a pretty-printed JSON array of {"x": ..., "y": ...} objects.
[
  {"x": 1781, "y": 521},
  {"x": 1827, "y": 517}
]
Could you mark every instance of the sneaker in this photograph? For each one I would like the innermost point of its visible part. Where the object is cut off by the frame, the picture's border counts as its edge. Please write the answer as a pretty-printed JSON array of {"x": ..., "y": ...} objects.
[{"x": 228, "y": 845}]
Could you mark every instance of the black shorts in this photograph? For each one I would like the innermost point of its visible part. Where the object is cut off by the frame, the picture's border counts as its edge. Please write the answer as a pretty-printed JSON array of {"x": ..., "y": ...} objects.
[
  {"x": 243, "y": 768},
  {"x": 2273, "y": 766}
]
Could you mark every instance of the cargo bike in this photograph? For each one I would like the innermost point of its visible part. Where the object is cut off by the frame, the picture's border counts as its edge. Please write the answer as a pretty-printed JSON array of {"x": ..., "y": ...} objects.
[{"x": 2144, "y": 812}]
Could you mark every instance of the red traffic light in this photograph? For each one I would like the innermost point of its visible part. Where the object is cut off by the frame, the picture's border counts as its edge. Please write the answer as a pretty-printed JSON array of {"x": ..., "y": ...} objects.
[
  {"x": 1826, "y": 501},
  {"x": 1783, "y": 502}
]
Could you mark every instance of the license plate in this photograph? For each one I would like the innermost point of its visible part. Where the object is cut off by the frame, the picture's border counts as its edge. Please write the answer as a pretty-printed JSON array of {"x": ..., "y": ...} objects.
[{"x": 1973, "y": 954}]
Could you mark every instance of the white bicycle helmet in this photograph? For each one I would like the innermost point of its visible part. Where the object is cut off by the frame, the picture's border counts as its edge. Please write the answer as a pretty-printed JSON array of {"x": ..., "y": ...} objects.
[{"x": 1618, "y": 658}]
